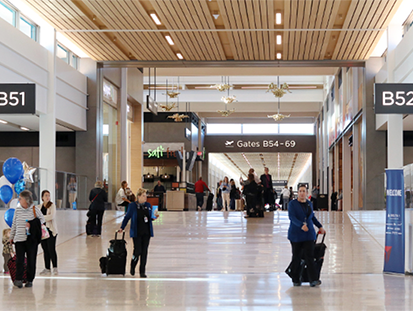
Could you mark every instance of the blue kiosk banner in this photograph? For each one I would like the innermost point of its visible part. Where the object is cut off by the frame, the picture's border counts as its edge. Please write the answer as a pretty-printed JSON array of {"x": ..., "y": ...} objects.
[{"x": 394, "y": 246}]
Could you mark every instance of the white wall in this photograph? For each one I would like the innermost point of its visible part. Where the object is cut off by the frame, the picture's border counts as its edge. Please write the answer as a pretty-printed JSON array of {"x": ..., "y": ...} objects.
[{"x": 25, "y": 61}]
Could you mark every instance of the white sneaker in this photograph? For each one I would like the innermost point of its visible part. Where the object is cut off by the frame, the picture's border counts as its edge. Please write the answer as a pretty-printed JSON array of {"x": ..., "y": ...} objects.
[
  {"x": 55, "y": 271},
  {"x": 45, "y": 272}
]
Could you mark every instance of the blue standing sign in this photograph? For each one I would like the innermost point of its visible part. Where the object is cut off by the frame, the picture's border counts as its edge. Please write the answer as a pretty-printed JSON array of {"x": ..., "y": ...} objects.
[{"x": 394, "y": 246}]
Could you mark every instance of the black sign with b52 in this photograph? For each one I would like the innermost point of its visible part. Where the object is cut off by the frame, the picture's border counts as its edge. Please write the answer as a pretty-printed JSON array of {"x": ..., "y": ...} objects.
[
  {"x": 393, "y": 98},
  {"x": 18, "y": 98}
]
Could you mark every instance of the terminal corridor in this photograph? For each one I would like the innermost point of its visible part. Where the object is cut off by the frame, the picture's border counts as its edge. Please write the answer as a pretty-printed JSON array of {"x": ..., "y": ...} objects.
[{"x": 219, "y": 261}]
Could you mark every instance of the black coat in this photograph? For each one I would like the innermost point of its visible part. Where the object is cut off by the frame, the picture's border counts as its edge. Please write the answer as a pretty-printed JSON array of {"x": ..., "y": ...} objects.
[
  {"x": 99, "y": 203},
  {"x": 264, "y": 181},
  {"x": 251, "y": 189}
]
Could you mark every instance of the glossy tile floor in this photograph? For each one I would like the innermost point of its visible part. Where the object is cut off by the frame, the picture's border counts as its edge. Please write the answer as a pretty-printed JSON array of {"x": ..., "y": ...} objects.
[{"x": 218, "y": 261}]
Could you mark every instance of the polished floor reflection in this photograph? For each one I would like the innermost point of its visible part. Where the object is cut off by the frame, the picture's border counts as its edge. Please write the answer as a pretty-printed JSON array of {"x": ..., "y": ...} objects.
[{"x": 218, "y": 261}]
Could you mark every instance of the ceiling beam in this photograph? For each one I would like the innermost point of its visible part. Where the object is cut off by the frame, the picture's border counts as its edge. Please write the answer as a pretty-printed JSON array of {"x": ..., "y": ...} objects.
[{"x": 177, "y": 64}]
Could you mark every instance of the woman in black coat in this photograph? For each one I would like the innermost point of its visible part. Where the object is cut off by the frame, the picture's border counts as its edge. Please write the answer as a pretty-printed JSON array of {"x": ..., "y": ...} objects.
[
  {"x": 97, "y": 197},
  {"x": 251, "y": 191}
]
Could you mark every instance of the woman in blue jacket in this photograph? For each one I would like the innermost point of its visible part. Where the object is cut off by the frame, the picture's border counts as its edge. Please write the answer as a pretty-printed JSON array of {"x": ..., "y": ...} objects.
[
  {"x": 141, "y": 230},
  {"x": 302, "y": 235}
]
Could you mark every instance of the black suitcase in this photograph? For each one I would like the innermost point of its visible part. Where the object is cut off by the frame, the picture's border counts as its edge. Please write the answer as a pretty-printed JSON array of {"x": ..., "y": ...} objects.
[
  {"x": 210, "y": 201},
  {"x": 90, "y": 228},
  {"x": 319, "y": 251},
  {"x": 116, "y": 256}
]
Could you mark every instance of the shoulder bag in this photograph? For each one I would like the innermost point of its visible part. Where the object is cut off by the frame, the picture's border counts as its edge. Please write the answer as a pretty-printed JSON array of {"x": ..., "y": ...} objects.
[
  {"x": 91, "y": 203},
  {"x": 45, "y": 232}
]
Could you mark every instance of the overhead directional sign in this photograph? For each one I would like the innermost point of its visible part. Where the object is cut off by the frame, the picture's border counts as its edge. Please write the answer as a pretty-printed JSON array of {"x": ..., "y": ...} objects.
[
  {"x": 18, "y": 98},
  {"x": 394, "y": 98}
]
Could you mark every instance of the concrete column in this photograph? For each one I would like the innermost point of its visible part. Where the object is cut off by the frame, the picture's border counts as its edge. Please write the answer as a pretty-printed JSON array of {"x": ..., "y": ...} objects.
[
  {"x": 136, "y": 148},
  {"x": 356, "y": 171},
  {"x": 346, "y": 158},
  {"x": 178, "y": 173},
  {"x": 89, "y": 144},
  {"x": 373, "y": 143},
  {"x": 123, "y": 124},
  {"x": 183, "y": 175},
  {"x": 47, "y": 129},
  {"x": 395, "y": 141},
  {"x": 395, "y": 121}
]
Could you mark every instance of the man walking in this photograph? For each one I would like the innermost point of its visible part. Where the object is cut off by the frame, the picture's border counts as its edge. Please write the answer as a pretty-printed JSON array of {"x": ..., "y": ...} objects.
[
  {"x": 199, "y": 192},
  {"x": 266, "y": 182}
]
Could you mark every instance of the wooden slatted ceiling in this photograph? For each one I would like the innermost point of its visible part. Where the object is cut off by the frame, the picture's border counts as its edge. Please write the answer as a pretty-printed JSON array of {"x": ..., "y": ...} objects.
[
  {"x": 249, "y": 14},
  {"x": 144, "y": 45},
  {"x": 311, "y": 14},
  {"x": 361, "y": 14},
  {"x": 382, "y": 21},
  {"x": 65, "y": 15},
  {"x": 235, "y": 14},
  {"x": 182, "y": 14}
]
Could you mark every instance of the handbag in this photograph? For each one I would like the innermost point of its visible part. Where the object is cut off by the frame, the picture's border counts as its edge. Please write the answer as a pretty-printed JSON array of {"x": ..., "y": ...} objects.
[{"x": 45, "y": 232}]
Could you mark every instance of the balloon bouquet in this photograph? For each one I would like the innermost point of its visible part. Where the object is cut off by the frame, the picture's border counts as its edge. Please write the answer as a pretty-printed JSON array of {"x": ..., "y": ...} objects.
[{"x": 15, "y": 173}]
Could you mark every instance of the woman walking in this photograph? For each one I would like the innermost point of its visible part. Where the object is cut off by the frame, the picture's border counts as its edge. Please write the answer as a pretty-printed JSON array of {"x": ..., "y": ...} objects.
[
  {"x": 97, "y": 197},
  {"x": 226, "y": 190},
  {"x": 48, "y": 209},
  {"x": 141, "y": 230},
  {"x": 24, "y": 239},
  {"x": 302, "y": 235}
]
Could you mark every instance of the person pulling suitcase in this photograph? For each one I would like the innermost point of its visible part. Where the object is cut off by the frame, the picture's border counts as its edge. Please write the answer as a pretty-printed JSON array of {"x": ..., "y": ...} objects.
[
  {"x": 141, "y": 230},
  {"x": 302, "y": 235}
]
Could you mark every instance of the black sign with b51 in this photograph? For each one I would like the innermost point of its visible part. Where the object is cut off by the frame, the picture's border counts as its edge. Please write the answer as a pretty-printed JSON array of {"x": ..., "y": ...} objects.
[
  {"x": 393, "y": 98},
  {"x": 18, "y": 98}
]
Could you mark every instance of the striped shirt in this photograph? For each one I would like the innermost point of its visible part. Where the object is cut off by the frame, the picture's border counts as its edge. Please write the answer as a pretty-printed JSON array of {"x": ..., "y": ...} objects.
[{"x": 18, "y": 229}]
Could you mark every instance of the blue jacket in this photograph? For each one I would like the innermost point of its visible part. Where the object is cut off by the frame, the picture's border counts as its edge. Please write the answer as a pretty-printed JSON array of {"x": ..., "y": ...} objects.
[
  {"x": 133, "y": 214},
  {"x": 297, "y": 217}
]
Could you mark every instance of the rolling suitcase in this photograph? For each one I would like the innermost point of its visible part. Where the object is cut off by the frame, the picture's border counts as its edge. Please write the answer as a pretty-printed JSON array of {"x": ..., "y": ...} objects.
[
  {"x": 319, "y": 252},
  {"x": 11, "y": 264},
  {"x": 238, "y": 205},
  {"x": 116, "y": 256},
  {"x": 210, "y": 201},
  {"x": 90, "y": 227}
]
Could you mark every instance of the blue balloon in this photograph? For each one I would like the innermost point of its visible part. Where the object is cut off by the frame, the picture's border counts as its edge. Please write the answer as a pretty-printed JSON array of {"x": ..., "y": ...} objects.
[
  {"x": 13, "y": 169},
  {"x": 8, "y": 216},
  {"x": 19, "y": 186},
  {"x": 6, "y": 193}
]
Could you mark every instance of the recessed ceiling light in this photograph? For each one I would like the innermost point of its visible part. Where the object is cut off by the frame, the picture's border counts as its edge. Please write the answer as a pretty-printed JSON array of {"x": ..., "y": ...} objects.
[
  {"x": 279, "y": 56},
  {"x": 169, "y": 39},
  {"x": 179, "y": 55},
  {"x": 24, "y": 128},
  {"x": 279, "y": 39},
  {"x": 278, "y": 18},
  {"x": 4, "y": 122},
  {"x": 155, "y": 19}
]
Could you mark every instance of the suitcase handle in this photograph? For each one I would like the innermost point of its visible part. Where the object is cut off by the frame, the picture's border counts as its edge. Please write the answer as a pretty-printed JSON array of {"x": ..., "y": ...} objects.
[
  {"x": 324, "y": 236},
  {"x": 116, "y": 235}
]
